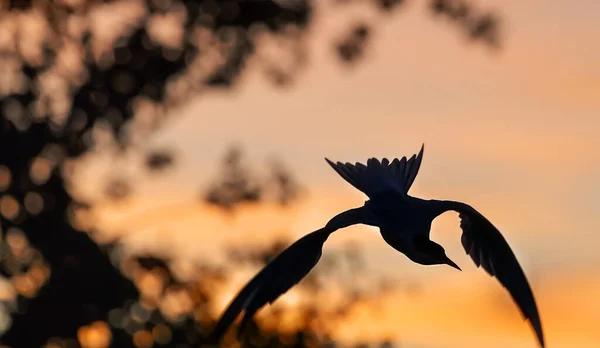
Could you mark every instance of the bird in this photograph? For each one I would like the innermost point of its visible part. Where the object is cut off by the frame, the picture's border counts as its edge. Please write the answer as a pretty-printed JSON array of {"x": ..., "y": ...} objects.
[{"x": 404, "y": 222}]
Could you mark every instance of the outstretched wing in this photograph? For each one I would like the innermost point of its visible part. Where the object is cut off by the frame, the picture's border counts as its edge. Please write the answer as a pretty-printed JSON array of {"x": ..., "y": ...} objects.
[
  {"x": 488, "y": 248},
  {"x": 283, "y": 272},
  {"x": 378, "y": 176}
]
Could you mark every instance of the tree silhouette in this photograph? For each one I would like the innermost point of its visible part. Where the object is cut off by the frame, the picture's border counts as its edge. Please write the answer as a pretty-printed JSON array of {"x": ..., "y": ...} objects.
[{"x": 73, "y": 71}]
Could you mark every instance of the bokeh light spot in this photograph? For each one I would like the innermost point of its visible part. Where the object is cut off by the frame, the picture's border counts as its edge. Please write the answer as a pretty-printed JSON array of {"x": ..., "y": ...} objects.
[
  {"x": 175, "y": 303},
  {"x": 152, "y": 284},
  {"x": 9, "y": 207},
  {"x": 40, "y": 170},
  {"x": 39, "y": 274},
  {"x": 95, "y": 335},
  {"x": 25, "y": 285},
  {"x": 116, "y": 318},
  {"x": 4, "y": 178},
  {"x": 162, "y": 334},
  {"x": 34, "y": 203},
  {"x": 15, "y": 238},
  {"x": 142, "y": 339},
  {"x": 139, "y": 313}
]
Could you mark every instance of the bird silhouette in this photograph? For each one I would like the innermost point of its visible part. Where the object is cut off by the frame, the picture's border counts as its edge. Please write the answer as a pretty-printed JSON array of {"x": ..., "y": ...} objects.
[{"x": 404, "y": 222}]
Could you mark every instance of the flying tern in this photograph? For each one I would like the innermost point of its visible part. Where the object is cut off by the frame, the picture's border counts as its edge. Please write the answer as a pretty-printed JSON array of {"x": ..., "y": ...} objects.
[{"x": 404, "y": 222}]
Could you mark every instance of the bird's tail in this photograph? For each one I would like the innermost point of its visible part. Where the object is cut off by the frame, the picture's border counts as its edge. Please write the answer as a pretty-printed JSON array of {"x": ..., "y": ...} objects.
[{"x": 378, "y": 176}]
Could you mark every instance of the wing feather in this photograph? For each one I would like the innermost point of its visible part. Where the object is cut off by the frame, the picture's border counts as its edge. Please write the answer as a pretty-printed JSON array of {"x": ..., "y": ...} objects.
[
  {"x": 284, "y": 271},
  {"x": 402, "y": 166},
  {"x": 409, "y": 165},
  {"x": 488, "y": 248},
  {"x": 415, "y": 169}
]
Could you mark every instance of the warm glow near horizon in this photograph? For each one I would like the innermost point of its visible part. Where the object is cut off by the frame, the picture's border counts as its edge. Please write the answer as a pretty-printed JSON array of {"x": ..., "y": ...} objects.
[{"x": 515, "y": 134}]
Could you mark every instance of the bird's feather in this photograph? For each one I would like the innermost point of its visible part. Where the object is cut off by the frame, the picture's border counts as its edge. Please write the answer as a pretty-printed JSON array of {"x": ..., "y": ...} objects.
[
  {"x": 379, "y": 176},
  {"x": 488, "y": 249},
  {"x": 284, "y": 271}
]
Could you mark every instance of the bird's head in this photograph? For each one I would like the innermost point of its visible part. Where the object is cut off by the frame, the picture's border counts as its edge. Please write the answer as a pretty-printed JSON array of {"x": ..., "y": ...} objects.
[{"x": 435, "y": 253}]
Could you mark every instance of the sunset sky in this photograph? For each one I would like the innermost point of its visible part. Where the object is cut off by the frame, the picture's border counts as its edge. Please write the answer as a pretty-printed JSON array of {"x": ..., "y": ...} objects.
[{"x": 515, "y": 133}]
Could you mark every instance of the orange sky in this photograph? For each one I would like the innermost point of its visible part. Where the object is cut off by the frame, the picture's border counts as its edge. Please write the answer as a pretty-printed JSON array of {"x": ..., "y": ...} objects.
[{"x": 514, "y": 134}]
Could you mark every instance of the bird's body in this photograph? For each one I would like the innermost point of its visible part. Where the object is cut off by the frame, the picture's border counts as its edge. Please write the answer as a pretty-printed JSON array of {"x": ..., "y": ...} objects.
[{"x": 404, "y": 222}]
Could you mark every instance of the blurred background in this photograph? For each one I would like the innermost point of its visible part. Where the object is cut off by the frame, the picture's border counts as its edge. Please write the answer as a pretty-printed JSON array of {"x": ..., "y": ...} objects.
[{"x": 154, "y": 154}]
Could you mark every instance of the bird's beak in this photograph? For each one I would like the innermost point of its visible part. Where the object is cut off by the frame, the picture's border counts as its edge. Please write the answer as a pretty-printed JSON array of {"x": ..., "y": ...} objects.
[{"x": 452, "y": 264}]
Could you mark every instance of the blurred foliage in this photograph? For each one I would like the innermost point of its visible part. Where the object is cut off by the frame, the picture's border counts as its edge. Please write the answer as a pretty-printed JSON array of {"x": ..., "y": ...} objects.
[
  {"x": 159, "y": 160},
  {"x": 237, "y": 184},
  {"x": 83, "y": 75},
  {"x": 182, "y": 307},
  {"x": 483, "y": 27}
]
